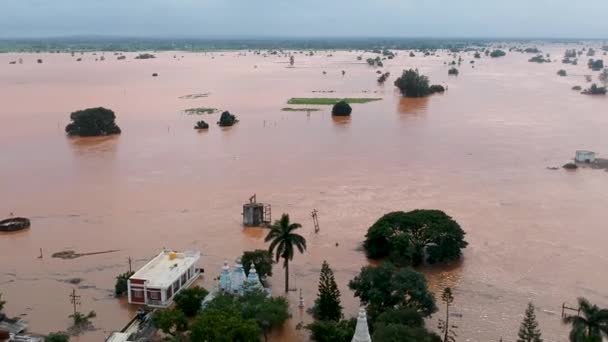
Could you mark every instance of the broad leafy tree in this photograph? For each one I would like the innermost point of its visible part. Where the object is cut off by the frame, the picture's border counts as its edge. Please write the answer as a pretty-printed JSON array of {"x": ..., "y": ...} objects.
[
  {"x": 283, "y": 242},
  {"x": 223, "y": 326},
  {"x": 189, "y": 300},
  {"x": 262, "y": 259},
  {"x": 412, "y": 237},
  {"x": 92, "y": 122},
  {"x": 170, "y": 321},
  {"x": 412, "y": 84},
  {"x": 402, "y": 333},
  {"x": 388, "y": 287},
  {"x": 332, "y": 331}
]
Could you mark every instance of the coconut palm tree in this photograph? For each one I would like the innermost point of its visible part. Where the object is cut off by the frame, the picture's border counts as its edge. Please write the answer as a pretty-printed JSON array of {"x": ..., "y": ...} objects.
[
  {"x": 283, "y": 239},
  {"x": 590, "y": 325}
]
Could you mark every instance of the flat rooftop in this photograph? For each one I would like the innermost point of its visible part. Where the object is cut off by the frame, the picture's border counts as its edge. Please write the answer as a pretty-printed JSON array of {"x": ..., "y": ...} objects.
[{"x": 166, "y": 267}]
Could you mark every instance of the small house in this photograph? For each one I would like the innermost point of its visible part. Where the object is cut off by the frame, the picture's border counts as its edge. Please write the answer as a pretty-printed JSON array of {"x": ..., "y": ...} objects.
[
  {"x": 256, "y": 214},
  {"x": 583, "y": 156},
  {"x": 163, "y": 277}
]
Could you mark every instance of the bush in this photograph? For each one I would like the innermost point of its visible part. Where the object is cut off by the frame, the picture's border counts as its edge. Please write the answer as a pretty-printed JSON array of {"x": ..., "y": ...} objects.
[
  {"x": 145, "y": 56},
  {"x": 332, "y": 331},
  {"x": 201, "y": 125},
  {"x": 227, "y": 119},
  {"x": 453, "y": 71},
  {"x": 570, "y": 166},
  {"x": 57, "y": 337},
  {"x": 562, "y": 72},
  {"x": 436, "y": 88},
  {"x": 477, "y": 55},
  {"x": 539, "y": 59},
  {"x": 577, "y": 88},
  {"x": 596, "y": 65},
  {"x": 595, "y": 90},
  {"x": 497, "y": 53},
  {"x": 342, "y": 108},
  {"x": 189, "y": 300},
  {"x": 121, "y": 286},
  {"x": 92, "y": 122}
]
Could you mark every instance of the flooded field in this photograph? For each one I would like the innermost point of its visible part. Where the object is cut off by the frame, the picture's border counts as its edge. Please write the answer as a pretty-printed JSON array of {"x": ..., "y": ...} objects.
[{"x": 479, "y": 152}]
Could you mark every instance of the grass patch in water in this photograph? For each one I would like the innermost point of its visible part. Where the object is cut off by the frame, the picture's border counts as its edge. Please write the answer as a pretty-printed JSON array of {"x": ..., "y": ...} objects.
[
  {"x": 201, "y": 110},
  {"x": 304, "y": 109},
  {"x": 194, "y": 96},
  {"x": 329, "y": 100}
]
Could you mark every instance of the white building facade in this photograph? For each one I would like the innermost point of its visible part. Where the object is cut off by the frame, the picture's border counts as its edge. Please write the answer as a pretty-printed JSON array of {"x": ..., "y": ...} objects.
[{"x": 157, "y": 282}]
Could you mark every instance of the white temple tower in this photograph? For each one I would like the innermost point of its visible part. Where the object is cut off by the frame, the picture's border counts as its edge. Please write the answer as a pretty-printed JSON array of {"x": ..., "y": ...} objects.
[{"x": 362, "y": 331}]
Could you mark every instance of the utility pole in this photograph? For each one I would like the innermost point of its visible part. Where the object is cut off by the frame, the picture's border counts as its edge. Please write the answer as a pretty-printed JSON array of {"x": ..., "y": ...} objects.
[
  {"x": 74, "y": 299},
  {"x": 315, "y": 220},
  {"x": 130, "y": 265}
]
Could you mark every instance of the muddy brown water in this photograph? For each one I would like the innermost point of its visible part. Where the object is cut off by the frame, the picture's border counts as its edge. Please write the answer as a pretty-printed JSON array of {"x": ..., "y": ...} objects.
[{"x": 480, "y": 152}]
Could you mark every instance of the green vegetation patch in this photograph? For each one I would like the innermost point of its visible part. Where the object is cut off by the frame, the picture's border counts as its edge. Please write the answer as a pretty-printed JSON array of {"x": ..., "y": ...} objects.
[
  {"x": 194, "y": 96},
  {"x": 200, "y": 111},
  {"x": 329, "y": 100},
  {"x": 303, "y": 109}
]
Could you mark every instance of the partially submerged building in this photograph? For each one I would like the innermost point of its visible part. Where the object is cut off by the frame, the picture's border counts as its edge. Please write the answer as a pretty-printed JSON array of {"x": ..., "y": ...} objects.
[
  {"x": 583, "y": 156},
  {"x": 157, "y": 282},
  {"x": 256, "y": 214}
]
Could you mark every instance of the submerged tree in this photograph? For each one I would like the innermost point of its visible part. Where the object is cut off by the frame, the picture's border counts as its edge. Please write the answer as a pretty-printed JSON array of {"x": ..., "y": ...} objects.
[
  {"x": 591, "y": 325},
  {"x": 341, "y": 108},
  {"x": 201, "y": 125},
  {"x": 415, "y": 237},
  {"x": 283, "y": 241},
  {"x": 227, "y": 119},
  {"x": 291, "y": 60},
  {"x": 121, "y": 286},
  {"x": 412, "y": 84},
  {"x": 448, "y": 331},
  {"x": 453, "y": 71},
  {"x": 528, "y": 330},
  {"x": 496, "y": 53},
  {"x": 2, "y": 302},
  {"x": 327, "y": 305},
  {"x": 92, "y": 122}
]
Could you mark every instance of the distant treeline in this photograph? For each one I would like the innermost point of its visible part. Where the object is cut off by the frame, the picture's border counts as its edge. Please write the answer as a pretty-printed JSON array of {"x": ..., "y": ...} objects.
[{"x": 193, "y": 44}]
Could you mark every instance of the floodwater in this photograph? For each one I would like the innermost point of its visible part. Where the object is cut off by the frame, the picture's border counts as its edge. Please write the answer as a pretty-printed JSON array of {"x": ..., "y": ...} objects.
[{"x": 479, "y": 152}]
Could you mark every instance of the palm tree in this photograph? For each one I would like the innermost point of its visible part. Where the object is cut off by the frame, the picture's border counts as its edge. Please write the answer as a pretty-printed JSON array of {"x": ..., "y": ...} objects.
[
  {"x": 591, "y": 325},
  {"x": 283, "y": 239}
]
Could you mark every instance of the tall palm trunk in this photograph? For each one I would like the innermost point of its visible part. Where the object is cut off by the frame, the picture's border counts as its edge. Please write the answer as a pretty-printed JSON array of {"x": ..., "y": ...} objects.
[{"x": 286, "y": 264}]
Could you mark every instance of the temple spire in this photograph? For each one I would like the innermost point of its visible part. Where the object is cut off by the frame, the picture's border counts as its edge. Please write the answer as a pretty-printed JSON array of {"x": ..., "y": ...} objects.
[{"x": 362, "y": 331}]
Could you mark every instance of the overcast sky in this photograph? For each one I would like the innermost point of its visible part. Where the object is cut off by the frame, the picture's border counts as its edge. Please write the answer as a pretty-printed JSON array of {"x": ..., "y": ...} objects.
[{"x": 306, "y": 18}]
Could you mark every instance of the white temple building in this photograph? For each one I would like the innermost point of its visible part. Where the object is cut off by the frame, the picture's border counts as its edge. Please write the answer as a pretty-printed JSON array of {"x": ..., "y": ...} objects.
[
  {"x": 362, "y": 331},
  {"x": 236, "y": 281}
]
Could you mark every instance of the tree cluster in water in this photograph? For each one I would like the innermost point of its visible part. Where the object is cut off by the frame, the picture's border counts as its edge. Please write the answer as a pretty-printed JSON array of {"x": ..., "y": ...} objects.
[
  {"x": 92, "y": 122},
  {"x": 413, "y": 84}
]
